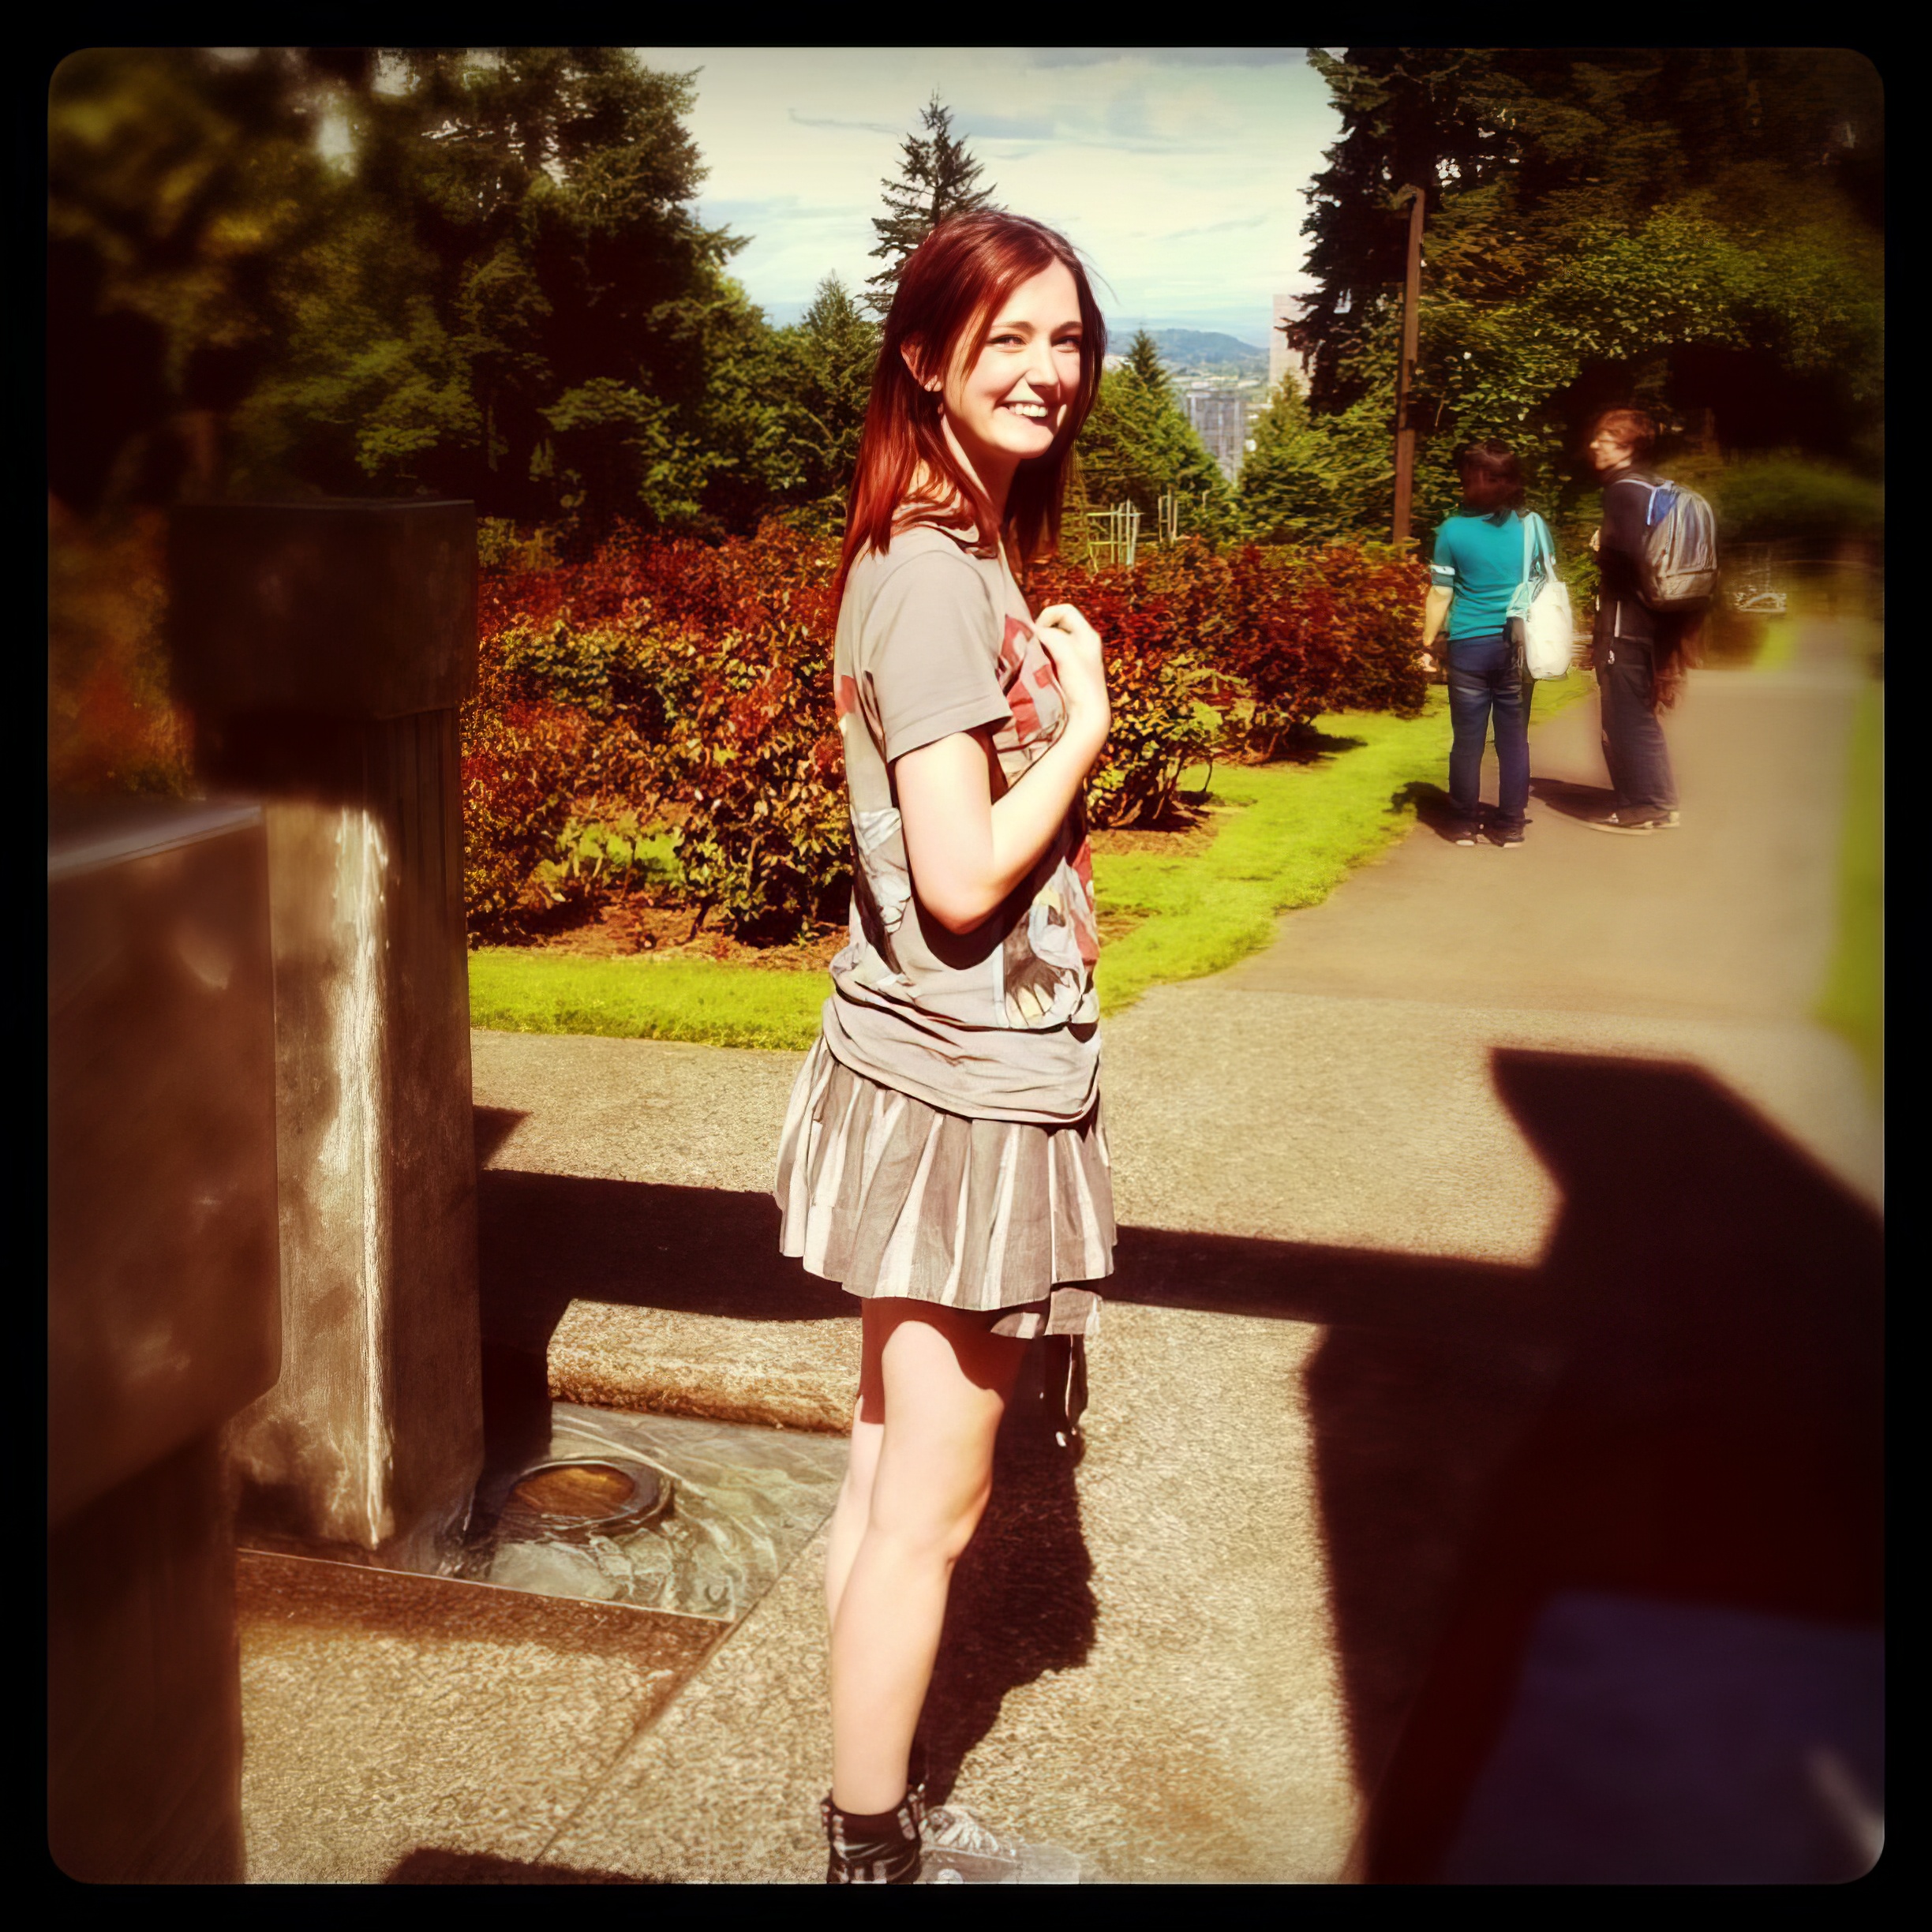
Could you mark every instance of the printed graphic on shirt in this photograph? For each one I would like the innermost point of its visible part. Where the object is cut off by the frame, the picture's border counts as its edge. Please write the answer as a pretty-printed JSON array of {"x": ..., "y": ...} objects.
[{"x": 1047, "y": 959}]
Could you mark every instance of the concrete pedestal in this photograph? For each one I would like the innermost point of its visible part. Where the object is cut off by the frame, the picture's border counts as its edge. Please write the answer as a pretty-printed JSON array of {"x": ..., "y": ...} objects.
[
  {"x": 163, "y": 1321},
  {"x": 324, "y": 650}
]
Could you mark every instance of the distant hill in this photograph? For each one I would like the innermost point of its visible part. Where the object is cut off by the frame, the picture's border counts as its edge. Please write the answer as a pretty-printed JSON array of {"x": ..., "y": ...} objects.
[{"x": 1208, "y": 349}]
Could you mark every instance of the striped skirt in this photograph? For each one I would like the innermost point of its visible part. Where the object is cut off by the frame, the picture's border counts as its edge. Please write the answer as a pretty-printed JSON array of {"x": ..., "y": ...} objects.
[{"x": 887, "y": 1195}]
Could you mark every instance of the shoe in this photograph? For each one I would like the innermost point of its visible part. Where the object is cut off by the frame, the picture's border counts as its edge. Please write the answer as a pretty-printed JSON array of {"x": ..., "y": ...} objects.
[
  {"x": 1465, "y": 835},
  {"x": 959, "y": 1850},
  {"x": 1610, "y": 822},
  {"x": 1513, "y": 836}
]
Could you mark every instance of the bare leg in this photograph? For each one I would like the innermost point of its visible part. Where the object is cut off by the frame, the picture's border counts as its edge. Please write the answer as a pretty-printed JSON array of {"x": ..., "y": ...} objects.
[
  {"x": 944, "y": 1380},
  {"x": 855, "y": 1500}
]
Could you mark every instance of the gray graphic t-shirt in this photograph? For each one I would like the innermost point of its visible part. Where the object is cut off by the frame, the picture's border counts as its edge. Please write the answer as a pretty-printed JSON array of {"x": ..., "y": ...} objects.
[{"x": 1001, "y": 1023}]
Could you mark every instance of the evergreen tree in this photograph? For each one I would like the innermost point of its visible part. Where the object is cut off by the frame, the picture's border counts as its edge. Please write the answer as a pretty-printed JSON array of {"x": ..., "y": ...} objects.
[
  {"x": 1145, "y": 359},
  {"x": 937, "y": 176},
  {"x": 1137, "y": 445},
  {"x": 821, "y": 380}
]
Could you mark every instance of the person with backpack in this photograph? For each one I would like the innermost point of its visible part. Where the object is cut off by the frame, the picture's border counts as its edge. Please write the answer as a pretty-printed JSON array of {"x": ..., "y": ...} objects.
[
  {"x": 1489, "y": 559},
  {"x": 1646, "y": 619}
]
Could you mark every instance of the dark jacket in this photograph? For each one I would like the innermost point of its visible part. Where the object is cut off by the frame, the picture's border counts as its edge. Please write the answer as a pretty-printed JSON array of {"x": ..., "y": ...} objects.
[{"x": 1620, "y": 612}]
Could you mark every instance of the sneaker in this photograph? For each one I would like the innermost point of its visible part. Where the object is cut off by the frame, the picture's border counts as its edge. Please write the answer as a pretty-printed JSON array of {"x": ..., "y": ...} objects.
[
  {"x": 1464, "y": 835},
  {"x": 1506, "y": 837},
  {"x": 1612, "y": 822},
  {"x": 959, "y": 1850}
]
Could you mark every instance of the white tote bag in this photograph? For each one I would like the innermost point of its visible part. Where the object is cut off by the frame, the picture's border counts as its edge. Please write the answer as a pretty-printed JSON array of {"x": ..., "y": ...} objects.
[{"x": 1543, "y": 603}]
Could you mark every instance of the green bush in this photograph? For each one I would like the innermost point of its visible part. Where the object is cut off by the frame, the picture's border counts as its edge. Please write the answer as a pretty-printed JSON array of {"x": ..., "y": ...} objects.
[{"x": 1768, "y": 498}]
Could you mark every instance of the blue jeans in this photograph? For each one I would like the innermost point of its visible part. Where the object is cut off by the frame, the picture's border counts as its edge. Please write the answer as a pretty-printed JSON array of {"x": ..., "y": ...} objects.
[
  {"x": 1484, "y": 684},
  {"x": 1632, "y": 739}
]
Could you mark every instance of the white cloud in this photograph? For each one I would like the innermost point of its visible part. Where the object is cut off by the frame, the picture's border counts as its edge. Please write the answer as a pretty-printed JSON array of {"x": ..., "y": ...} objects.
[{"x": 1179, "y": 174}]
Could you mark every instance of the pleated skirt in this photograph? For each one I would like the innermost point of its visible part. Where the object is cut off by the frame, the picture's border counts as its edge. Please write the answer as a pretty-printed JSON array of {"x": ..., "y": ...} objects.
[{"x": 887, "y": 1195}]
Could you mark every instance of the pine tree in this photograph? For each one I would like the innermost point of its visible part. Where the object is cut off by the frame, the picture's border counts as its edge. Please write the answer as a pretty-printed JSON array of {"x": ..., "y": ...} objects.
[
  {"x": 937, "y": 177},
  {"x": 1145, "y": 359}
]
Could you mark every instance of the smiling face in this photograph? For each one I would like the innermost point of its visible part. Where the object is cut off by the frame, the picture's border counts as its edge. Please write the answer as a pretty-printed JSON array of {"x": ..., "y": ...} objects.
[{"x": 1010, "y": 400}]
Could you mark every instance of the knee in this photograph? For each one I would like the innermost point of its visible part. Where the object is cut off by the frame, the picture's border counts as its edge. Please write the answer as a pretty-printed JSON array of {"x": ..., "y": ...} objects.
[{"x": 934, "y": 1531}]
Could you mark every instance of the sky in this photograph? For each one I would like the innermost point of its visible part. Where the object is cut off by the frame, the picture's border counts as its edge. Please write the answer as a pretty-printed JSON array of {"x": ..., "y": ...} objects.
[{"x": 1180, "y": 175}]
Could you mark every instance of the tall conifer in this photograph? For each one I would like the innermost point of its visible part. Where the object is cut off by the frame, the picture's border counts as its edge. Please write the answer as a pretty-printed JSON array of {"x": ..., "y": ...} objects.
[{"x": 937, "y": 176}]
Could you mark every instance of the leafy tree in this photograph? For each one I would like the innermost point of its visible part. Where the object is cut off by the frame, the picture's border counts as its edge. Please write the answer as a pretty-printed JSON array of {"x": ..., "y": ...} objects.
[
  {"x": 1692, "y": 228},
  {"x": 178, "y": 185},
  {"x": 521, "y": 307},
  {"x": 1312, "y": 477},
  {"x": 937, "y": 176}
]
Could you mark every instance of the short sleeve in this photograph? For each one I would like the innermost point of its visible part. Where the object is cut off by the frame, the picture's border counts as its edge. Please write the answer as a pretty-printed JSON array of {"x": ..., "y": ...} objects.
[
  {"x": 931, "y": 651},
  {"x": 1442, "y": 565}
]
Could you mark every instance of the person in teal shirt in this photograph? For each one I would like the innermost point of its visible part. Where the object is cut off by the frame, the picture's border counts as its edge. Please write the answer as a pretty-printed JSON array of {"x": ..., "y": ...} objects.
[{"x": 1474, "y": 578}]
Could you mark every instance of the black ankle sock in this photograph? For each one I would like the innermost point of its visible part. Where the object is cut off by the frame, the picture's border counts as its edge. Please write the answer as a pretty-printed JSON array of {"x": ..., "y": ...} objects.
[{"x": 882, "y": 1825}]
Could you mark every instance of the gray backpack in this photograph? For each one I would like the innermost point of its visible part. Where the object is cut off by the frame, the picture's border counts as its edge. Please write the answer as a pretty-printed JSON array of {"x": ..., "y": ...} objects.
[{"x": 1677, "y": 567}]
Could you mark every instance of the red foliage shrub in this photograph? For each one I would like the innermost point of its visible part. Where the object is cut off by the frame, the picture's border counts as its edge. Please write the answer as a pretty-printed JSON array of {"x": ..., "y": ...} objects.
[
  {"x": 660, "y": 670},
  {"x": 521, "y": 765}
]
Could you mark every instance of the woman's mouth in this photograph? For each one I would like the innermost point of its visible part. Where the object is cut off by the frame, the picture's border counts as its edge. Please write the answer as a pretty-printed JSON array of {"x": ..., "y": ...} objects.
[{"x": 1028, "y": 411}]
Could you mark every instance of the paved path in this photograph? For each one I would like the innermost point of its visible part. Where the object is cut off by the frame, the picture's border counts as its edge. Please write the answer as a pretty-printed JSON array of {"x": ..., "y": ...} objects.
[{"x": 1374, "y": 1185}]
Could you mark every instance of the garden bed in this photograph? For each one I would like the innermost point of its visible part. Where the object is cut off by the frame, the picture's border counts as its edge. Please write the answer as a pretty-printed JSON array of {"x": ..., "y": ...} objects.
[{"x": 1175, "y": 904}]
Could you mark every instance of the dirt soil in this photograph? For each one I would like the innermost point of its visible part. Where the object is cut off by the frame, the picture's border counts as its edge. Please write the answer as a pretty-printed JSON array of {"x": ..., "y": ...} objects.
[{"x": 623, "y": 929}]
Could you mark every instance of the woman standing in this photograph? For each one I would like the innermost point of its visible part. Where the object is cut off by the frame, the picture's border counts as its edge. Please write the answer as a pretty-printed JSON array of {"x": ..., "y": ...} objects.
[
  {"x": 1482, "y": 560},
  {"x": 943, "y": 1155}
]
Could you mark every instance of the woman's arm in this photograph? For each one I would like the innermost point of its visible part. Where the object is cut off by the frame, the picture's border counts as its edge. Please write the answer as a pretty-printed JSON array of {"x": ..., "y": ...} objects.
[
  {"x": 969, "y": 840},
  {"x": 1434, "y": 615}
]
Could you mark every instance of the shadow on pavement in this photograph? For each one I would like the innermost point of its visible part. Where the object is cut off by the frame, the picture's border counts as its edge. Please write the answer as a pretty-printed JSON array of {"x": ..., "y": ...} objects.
[
  {"x": 1433, "y": 812},
  {"x": 1573, "y": 801},
  {"x": 427, "y": 1865},
  {"x": 1681, "y": 1404}
]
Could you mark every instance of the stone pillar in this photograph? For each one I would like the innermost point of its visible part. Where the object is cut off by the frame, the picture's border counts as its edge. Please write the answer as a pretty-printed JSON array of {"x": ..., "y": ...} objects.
[
  {"x": 163, "y": 1321},
  {"x": 324, "y": 649}
]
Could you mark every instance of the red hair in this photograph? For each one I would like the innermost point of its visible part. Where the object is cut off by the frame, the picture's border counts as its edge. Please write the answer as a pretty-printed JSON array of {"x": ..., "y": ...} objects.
[
  {"x": 949, "y": 291},
  {"x": 1635, "y": 428}
]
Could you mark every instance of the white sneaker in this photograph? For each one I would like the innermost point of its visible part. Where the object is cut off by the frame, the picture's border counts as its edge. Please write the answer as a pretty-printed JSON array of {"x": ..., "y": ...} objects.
[{"x": 959, "y": 1850}]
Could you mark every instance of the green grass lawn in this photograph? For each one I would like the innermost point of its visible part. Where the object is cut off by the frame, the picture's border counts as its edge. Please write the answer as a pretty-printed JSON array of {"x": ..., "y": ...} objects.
[
  {"x": 1285, "y": 835},
  {"x": 1854, "y": 997}
]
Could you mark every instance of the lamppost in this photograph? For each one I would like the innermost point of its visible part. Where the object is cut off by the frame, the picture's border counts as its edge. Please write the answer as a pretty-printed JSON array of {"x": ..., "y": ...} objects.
[{"x": 1405, "y": 371}]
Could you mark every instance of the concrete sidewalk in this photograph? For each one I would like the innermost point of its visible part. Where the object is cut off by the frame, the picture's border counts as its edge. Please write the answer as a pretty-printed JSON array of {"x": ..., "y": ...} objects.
[{"x": 1361, "y": 1183}]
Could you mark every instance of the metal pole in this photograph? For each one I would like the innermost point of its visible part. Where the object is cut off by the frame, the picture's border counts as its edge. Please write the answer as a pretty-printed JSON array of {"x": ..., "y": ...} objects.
[{"x": 1405, "y": 373}]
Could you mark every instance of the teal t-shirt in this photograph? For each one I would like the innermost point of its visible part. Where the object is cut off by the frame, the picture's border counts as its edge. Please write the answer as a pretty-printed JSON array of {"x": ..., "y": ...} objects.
[{"x": 1481, "y": 559}]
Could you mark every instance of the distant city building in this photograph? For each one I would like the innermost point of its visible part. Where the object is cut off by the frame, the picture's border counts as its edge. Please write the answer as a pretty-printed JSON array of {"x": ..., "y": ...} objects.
[
  {"x": 1220, "y": 418},
  {"x": 1282, "y": 360}
]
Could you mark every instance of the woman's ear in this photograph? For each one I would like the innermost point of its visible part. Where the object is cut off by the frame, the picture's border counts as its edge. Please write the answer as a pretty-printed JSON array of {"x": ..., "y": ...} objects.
[{"x": 914, "y": 351}]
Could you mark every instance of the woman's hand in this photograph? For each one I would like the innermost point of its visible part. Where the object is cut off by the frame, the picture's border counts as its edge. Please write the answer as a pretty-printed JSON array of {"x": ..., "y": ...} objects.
[{"x": 1079, "y": 664}]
